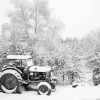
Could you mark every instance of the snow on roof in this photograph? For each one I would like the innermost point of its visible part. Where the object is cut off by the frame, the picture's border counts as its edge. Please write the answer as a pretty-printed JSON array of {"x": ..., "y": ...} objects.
[
  {"x": 40, "y": 69},
  {"x": 19, "y": 57}
]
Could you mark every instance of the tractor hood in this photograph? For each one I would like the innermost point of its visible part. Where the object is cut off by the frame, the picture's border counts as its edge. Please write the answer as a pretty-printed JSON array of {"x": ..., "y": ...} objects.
[{"x": 39, "y": 69}]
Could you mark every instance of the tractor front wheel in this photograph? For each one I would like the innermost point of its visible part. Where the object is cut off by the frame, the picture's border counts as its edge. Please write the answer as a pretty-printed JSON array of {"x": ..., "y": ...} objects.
[{"x": 44, "y": 88}]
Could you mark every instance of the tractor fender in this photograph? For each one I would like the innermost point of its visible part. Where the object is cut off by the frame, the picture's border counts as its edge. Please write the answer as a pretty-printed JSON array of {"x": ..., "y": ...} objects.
[
  {"x": 13, "y": 68},
  {"x": 13, "y": 71}
]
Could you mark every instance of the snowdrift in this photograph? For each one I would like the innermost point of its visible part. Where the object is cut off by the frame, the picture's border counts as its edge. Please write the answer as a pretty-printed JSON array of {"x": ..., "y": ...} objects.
[{"x": 62, "y": 93}]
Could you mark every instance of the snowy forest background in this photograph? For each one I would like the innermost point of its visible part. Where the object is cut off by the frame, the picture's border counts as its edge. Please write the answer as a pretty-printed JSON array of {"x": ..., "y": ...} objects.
[{"x": 33, "y": 30}]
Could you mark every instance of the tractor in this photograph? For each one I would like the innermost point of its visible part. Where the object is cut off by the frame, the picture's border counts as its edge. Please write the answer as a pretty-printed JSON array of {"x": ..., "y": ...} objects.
[{"x": 21, "y": 71}]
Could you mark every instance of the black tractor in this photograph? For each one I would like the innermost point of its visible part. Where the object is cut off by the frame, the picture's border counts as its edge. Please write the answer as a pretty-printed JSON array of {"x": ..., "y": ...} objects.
[{"x": 20, "y": 71}]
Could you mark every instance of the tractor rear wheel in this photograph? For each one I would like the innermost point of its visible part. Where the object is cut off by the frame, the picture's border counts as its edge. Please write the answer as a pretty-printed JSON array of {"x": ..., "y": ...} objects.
[{"x": 9, "y": 83}]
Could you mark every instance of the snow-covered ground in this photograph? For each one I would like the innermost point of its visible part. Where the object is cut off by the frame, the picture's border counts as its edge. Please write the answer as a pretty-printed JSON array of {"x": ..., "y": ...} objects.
[{"x": 62, "y": 93}]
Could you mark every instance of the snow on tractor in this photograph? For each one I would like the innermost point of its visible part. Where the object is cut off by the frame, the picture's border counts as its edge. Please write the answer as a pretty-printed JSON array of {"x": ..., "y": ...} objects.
[{"x": 20, "y": 71}]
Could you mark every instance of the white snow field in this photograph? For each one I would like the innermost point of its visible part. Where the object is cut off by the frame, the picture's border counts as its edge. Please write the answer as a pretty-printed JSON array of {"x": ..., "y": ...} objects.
[{"x": 62, "y": 93}]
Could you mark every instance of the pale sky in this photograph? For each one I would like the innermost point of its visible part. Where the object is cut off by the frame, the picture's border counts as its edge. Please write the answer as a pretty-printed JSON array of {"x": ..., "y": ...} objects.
[{"x": 79, "y": 16}]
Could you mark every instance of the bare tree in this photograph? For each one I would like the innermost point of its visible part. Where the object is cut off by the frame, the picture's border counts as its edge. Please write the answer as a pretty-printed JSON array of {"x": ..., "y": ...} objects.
[{"x": 20, "y": 19}]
